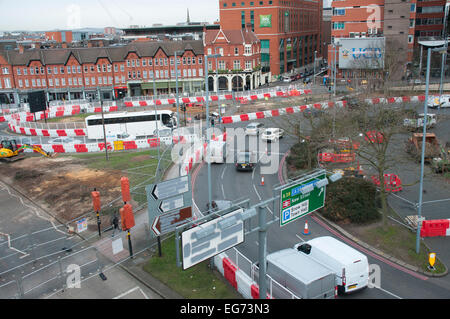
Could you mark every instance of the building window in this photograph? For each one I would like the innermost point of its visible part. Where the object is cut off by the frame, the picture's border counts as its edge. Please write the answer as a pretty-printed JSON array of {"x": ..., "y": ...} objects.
[
  {"x": 200, "y": 60},
  {"x": 122, "y": 68},
  {"x": 109, "y": 67},
  {"x": 68, "y": 70},
  {"x": 248, "y": 65},
  {"x": 222, "y": 65},
  {"x": 19, "y": 72},
  {"x": 410, "y": 38},
  {"x": 193, "y": 61},
  {"x": 20, "y": 83},
  {"x": 242, "y": 19},
  {"x": 144, "y": 62},
  {"x": 236, "y": 51},
  {"x": 25, "y": 71},
  {"x": 31, "y": 71},
  {"x": 413, "y": 7},
  {"x": 236, "y": 65},
  {"x": 74, "y": 69}
]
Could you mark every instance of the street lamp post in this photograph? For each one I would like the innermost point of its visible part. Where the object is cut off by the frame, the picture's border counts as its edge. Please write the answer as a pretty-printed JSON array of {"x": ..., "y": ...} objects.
[
  {"x": 422, "y": 158},
  {"x": 176, "y": 85},
  {"x": 208, "y": 125},
  {"x": 314, "y": 76}
]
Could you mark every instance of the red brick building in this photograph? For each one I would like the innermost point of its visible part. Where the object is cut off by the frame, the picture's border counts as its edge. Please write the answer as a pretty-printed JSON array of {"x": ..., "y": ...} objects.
[
  {"x": 239, "y": 66},
  {"x": 289, "y": 30},
  {"x": 78, "y": 72},
  {"x": 400, "y": 23}
]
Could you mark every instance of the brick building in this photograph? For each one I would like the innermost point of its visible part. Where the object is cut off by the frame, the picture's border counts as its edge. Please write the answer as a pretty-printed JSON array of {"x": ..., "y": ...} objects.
[
  {"x": 399, "y": 22},
  {"x": 239, "y": 67},
  {"x": 289, "y": 30},
  {"x": 73, "y": 73}
]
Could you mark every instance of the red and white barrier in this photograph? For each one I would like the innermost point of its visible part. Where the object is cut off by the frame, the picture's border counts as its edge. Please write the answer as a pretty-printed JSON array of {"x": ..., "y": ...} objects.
[
  {"x": 434, "y": 228},
  {"x": 212, "y": 98}
]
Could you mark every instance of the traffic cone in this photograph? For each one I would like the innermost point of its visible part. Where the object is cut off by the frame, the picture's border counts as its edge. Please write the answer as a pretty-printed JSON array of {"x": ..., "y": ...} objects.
[
  {"x": 306, "y": 230},
  {"x": 262, "y": 180}
]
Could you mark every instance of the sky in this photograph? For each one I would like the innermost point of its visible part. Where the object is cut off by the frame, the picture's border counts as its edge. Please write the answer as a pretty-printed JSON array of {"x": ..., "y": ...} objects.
[{"x": 42, "y": 15}]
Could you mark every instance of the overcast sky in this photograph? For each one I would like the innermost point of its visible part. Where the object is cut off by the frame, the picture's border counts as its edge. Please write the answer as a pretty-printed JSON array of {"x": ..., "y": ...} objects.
[{"x": 44, "y": 15}]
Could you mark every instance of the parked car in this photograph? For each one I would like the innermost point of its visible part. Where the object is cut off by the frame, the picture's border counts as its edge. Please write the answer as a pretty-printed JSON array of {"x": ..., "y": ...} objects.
[
  {"x": 307, "y": 80},
  {"x": 287, "y": 79},
  {"x": 120, "y": 136},
  {"x": 350, "y": 267},
  {"x": 64, "y": 140},
  {"x": 254, "y": 128},
  {"x": 272, "y": 134}
]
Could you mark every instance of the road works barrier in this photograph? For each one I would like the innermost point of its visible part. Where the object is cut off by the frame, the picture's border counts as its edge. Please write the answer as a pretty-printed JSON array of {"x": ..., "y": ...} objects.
[{"x": 434, "y": 228}]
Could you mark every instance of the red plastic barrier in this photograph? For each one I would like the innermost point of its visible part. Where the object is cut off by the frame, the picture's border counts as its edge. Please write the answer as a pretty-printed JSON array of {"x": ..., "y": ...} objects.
[
  {"x": 58, "y": 148},
  {"x": 275, "y": 113},
  {"x": 433, "y": 228},
  {"x": 61, "y": 132},
  {"x": 59, "y": 114},
  {"x": 128, "y": 104},
  {"x": 33, "y": 132},
  {"x": 81, "y": 148},
  {"x": 227, "y": 120},
  {"x": 45, "y": 133},
  {"x": 259, "y": 115},
  {"x": 244, "y": 117},
  {"x": 186, "y": 100},
  {"x": 22, "y": 131},
  {"x": 129, "y": 145},
  {"x": 290, "y": 110},
  {"x": 143, "y": 103},
  {"x": 2, "y": 119},
  {"x": 79, "y": 132},
  {"x": 318, "y": 106},
  {"x": 253, "y": 97},
  {"x": 229, "y": 272},
  {"x": 153, "y": 142},
  {"x": 214, "y": 98},
  {"x": 254, "y": 291},
  {"x": 228, "y": 96},
  {"x": 29, "y": 118}
]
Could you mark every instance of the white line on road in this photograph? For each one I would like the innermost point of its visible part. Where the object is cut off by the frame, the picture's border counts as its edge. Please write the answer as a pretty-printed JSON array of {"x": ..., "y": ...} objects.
[
  {"x": 388, "y": 292},
  {"x": 130, "y": 291}
]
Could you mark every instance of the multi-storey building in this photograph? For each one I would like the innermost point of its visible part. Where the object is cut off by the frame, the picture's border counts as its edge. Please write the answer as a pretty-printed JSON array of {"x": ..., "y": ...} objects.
[
  {"x": 289, "y": 30},
  {"x": 239, "y": 67},
  {"x": 73, "y": 73},
  {"x": 399, "y": 23}
]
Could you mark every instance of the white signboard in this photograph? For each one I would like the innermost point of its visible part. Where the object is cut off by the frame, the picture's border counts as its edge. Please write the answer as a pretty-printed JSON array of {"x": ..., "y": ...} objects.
[
  {"x": 361, "y": 53},
  {"x": 82, "y": 225},
  {"x": 212, "y": 238},
  {"x": 117, "y": 246}
]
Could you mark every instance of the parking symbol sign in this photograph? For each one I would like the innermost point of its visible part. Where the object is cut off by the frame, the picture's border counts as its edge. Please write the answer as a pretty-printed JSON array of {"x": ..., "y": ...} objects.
[{"x": 286, "y": 214}]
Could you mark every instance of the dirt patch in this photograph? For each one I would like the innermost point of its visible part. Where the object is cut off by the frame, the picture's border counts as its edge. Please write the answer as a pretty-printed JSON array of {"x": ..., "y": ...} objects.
[
  {"x": 141, "y": 158},
  {"x": 62, "y": 185}
]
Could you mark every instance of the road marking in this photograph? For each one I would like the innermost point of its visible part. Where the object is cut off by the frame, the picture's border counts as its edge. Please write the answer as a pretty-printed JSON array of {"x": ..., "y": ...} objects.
[
  {"x": 299, "y": 237},
  {"x": 130, "y": 291},
  {"x": 256, "y": 191},
  {"x": 388, "y": 292}
]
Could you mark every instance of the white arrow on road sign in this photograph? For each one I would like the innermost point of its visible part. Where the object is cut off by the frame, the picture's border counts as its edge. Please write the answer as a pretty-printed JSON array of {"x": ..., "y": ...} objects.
[
  {"x": 155, "y": 226},
  {"x": 171, "y": 188},
  {"x": 171, "y": 204}
]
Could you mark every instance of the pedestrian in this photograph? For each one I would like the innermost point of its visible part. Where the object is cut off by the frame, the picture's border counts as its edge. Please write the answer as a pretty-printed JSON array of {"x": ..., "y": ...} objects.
[{"x": 115, "y": 224}]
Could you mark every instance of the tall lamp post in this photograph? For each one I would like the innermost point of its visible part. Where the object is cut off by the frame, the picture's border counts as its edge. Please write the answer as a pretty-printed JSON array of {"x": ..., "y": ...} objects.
[
  {"x": 208, "y": 126},
  {"x": 176, "y": 84},
  {"x": 444, "y": 54},
  {"x": 429, "y": 45}
]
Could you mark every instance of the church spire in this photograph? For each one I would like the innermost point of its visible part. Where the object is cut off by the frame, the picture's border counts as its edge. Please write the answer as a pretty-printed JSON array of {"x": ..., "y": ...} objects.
[{"x": 188, "y": 18}]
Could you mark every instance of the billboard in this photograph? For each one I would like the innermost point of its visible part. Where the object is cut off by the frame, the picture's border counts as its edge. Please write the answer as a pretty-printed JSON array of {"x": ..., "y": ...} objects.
[
  {"x": 361, "y": 53},
  {"x": 265, "y": 20}
]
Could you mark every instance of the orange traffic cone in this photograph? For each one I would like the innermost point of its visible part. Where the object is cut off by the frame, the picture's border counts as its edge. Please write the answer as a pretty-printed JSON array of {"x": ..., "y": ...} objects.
[
  {"x": 306, "y": 230},
  {"x": 262, "y": 180}
]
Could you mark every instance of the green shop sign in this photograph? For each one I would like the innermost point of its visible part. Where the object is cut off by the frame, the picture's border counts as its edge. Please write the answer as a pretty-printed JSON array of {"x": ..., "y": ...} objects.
[{"x": 265, "y": 20}]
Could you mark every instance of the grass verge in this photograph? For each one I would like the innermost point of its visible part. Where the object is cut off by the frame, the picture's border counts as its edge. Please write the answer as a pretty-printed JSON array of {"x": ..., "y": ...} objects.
[{"x": 197, "y": 282}]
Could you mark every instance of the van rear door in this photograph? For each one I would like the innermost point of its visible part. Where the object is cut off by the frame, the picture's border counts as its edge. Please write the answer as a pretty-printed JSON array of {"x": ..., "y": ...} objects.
[{"x": 357, "y": 274}]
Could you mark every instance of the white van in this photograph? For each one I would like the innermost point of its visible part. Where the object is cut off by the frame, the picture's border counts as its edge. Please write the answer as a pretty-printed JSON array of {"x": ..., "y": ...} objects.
[
  {"x": 119, "y": 136},
  {"x": 349, "y": 265},
  {"x": 218, "y": 152},
  {"x": 435, "y": 102}
]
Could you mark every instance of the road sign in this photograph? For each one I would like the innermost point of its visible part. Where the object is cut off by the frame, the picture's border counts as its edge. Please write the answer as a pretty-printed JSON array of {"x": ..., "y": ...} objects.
[
  {"x": 211, "y": 238},
  {"x": 300, "y": 199},
  {"x": 168, "y": 222},
  {"x": 170, "y": 188},
  {"x": 168, "y": 202},
  {"x": 82, "y": 225}
]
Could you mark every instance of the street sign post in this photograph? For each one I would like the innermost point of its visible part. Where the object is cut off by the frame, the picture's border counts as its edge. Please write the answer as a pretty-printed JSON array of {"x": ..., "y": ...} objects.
[
  {"x": 169, "y": 204},
  {"x": 300, "y": 199}
]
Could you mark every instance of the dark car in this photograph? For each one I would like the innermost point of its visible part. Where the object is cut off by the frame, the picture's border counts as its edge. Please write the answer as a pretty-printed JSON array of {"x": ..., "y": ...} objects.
[
  {"x": 298, "y": 76},
  {"x": 245, "y": 161},
  {"x": 307, "y": 80}
]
